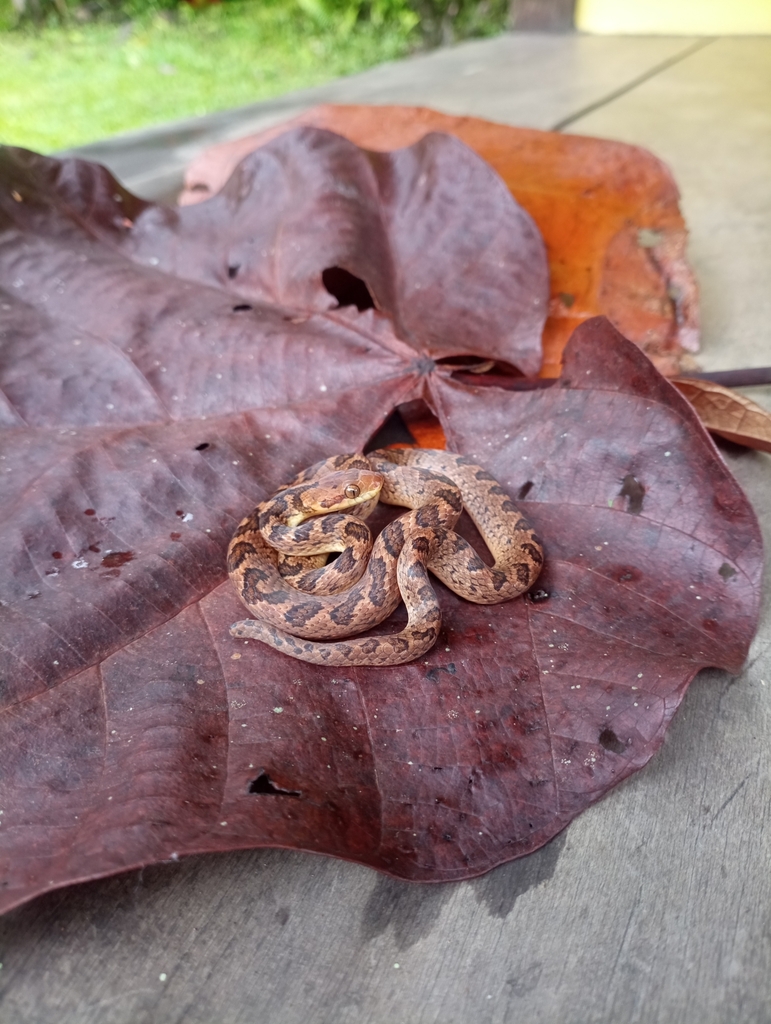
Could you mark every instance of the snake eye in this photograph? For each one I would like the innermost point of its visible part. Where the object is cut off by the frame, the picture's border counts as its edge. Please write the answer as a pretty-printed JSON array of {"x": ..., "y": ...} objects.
[{"x": 352, "y": 491}]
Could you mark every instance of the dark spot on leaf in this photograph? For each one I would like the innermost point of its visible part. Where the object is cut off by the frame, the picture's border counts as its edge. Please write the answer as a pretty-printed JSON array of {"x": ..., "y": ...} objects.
[
  {"x": 202, "y": 447},
  {"x": 90, "y": 512},
  {"x": 536, "y": 596},
  {"x": 180, "y": 512},
  {"x": 346, "y": 288},
  {"x": 727, "y": 571},
  {"x": 117, "y": 558},
  {"x": 393, "y": 431},
  {"x": 233, "y": 270},
  {"x": 433, "y": 673},
  {"x": 567, "y": 299},
  {"x": 95, "y": 548},
  {"x": 56, "y": 554},
  {"x": 447, "y": 836},
  {"x": 610, "y": 741},
  {"x": 175, "y": 536},
  {"x": 242, "y": 307},
  {"x": 633, "y": 491},
  {"x": 524, "y": 490},
  {"x": 262, "y": 784}
]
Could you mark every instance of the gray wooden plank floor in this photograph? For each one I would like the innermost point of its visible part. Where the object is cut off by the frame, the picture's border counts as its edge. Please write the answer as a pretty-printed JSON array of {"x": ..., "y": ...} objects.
[
  {"x": 534, "y": 80},
  {"x": 655, "y": 905}
]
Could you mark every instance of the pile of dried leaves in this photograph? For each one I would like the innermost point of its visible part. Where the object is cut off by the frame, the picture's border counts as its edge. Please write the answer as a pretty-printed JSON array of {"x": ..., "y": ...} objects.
[{"x": 162, "y": 370}]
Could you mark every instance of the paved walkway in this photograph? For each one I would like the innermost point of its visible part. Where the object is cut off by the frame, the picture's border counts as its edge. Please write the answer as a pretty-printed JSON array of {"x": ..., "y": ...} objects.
[{"x": 655, "y": 905}]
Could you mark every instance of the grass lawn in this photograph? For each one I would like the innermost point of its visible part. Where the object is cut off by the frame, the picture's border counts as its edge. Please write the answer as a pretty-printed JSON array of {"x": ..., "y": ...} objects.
[{"x": 63, "y": 86}]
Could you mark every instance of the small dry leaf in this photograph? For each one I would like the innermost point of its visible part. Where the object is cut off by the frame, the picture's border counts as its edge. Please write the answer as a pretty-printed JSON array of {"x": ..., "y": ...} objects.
[{"x": 727, "y": 413}]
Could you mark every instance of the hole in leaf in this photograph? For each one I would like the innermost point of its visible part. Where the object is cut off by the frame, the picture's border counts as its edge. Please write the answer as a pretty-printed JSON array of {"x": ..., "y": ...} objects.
[
  {"x": 524, "y": 490},
  {"x": 242, "y": 307},
  {"x": 262, "y": 784},
  {"x": 727, "y": 571},
  {"x": 478, "y": 366},
  {"x": 202, "y": 447},
  {"x": 468, "y": 364},
  {"x": 393, "y": 431},
  {"x": 634, "y": 492},
  {"x": 233, "y": 270},
  {"x": 346, "y": 288},
  {"x": 610, "y": 741},
  {"x": 476, "y": 371},
  {"x": 423, "y": 425}
]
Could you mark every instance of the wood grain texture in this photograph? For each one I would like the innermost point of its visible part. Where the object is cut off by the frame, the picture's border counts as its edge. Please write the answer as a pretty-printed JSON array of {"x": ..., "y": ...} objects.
[{"x": 651, "y": 908}]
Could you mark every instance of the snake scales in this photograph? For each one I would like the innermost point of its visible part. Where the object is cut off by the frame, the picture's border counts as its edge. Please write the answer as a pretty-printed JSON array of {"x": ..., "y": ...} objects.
[{"x": 275, "y": 558}]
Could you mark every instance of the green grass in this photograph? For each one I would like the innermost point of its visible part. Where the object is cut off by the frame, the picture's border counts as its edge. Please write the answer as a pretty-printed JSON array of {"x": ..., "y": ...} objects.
[{"x": 64, "y": 86}]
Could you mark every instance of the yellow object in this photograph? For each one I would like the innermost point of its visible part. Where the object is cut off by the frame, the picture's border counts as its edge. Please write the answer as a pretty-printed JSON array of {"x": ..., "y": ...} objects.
[{"x": 675, "y": 17}]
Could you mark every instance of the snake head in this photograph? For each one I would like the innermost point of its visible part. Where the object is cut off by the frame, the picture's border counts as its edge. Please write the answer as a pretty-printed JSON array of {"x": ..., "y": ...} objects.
[{"x": 340, "y": 491}]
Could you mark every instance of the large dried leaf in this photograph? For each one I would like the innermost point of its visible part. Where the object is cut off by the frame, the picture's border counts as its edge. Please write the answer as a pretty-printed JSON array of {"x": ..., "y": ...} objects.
[
  {"x": 608, "y": 213},
  {"x": 147, "y": 408}
]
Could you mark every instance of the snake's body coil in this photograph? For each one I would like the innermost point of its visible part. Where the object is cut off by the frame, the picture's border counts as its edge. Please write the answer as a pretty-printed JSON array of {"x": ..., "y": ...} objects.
[{"x": 313, "y": 611}]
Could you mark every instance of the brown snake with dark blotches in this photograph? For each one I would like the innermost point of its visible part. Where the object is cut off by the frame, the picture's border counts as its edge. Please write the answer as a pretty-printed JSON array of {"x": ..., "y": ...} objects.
[{"x": 313, "y": 515}]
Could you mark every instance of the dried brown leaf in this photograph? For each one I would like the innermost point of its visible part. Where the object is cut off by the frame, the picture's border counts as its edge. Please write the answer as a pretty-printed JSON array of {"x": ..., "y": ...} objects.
[
  {"x": 157, "y": 380},
  {"x": 728, "y": 413}
]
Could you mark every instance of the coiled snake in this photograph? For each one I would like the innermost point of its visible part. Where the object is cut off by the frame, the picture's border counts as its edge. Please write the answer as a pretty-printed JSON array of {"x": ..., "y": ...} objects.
[{"x": 323, "y": 509}]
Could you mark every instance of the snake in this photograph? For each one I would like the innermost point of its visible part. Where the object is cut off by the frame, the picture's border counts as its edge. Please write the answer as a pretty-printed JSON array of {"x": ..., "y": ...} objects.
[
  {"x": 326, "y": 505},
  {"x": 305, "y": 565}
]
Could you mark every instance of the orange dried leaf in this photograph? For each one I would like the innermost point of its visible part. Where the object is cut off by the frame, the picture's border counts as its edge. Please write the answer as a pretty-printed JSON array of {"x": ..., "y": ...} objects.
[
  {"x": 728, "y": 413},
  {"x": 423, "y": 425}
]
